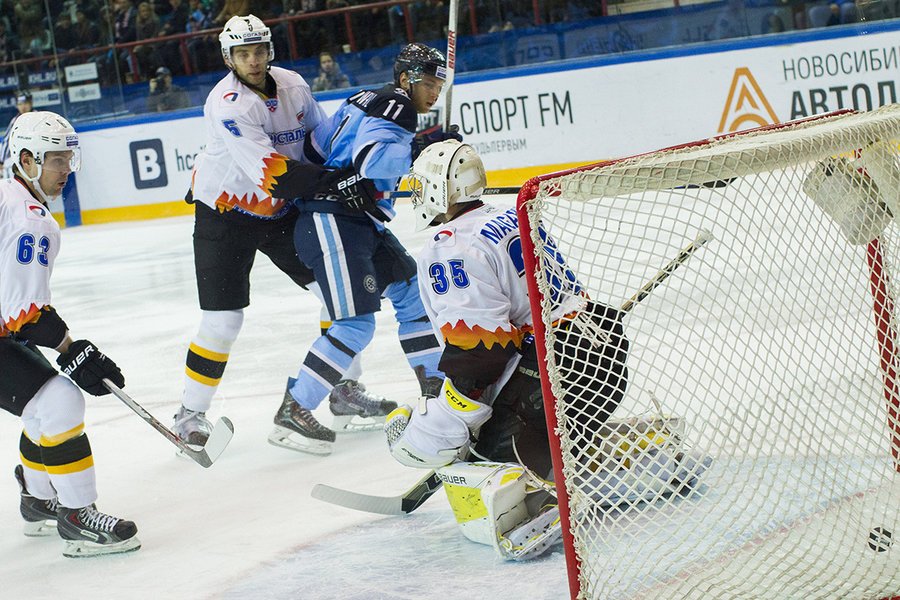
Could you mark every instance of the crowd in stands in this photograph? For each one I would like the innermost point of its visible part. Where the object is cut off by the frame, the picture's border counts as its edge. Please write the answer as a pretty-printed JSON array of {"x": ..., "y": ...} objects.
[{"x": 77, "y": 31}]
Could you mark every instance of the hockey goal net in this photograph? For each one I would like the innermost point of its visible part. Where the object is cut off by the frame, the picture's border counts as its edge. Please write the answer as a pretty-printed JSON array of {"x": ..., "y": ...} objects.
[{"x": 755, "y": 450}]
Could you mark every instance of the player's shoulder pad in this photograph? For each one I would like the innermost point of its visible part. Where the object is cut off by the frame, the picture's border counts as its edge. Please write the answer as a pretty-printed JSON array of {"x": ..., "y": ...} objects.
[
  {"x": 388, "y": 103},
  {"x": 35, "y": 211},
  {"x": 444, "y": 237}
]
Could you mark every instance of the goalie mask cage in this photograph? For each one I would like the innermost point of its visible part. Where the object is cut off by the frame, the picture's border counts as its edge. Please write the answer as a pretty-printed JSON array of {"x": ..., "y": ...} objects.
[{"x": 754, "y": 453}]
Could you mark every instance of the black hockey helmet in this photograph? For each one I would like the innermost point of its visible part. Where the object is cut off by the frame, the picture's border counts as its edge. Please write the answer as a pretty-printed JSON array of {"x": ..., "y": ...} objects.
[{"x": 418, "y": 59}]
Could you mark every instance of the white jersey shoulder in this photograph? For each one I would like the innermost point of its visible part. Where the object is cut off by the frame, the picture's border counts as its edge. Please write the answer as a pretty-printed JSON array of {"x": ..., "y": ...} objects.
[
  {"x": 29, "y": 243},
  {"x": 471, "y": 277},
  {"x": 248, "y": 138}
]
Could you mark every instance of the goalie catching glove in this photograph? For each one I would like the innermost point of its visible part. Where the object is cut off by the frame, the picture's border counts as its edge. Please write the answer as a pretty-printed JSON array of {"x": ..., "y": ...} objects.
[
  {"x": 349, "y": 188},
  {"x": 88, "y": 367},
  {"x": 433, "y": 433}
]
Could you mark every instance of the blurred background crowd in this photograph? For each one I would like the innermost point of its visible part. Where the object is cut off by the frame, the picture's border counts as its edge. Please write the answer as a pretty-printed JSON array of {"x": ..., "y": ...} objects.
[{"x": 105, "y": 58}]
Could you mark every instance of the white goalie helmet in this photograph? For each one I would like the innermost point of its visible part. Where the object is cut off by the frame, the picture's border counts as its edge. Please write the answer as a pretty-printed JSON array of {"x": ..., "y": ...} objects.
[
  {"x": 242, "y": 31},
  {"x": 444, "y": 174},
  {"x": 40, "y": 132}
]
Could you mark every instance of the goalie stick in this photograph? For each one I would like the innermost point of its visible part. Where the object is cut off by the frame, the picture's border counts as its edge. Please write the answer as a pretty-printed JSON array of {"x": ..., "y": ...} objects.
[
  {"x": 206, "y": 456},
  {"x": 426, "y": 487}
]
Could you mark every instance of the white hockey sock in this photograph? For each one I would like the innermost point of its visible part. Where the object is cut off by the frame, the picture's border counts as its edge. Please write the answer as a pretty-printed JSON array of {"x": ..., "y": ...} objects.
[{"x": 208, "y": 355}]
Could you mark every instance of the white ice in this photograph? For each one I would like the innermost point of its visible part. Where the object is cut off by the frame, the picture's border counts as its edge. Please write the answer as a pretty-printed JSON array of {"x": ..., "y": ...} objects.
[{"x": 246, "y": 527}]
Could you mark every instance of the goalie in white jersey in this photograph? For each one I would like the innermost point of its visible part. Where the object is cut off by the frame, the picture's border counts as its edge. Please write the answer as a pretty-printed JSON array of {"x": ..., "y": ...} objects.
[
  {"x": 257, "y": 118},
  {"x": 471, "y": 279},
  {"x": 56, "y": 473}
]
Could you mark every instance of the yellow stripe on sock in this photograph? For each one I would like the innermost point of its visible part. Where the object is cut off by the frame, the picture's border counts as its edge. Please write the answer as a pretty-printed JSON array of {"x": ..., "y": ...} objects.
[
  {"x": 56, "y": 440},
  {"x": 74, "y": 467},
  {"x": 202, "y": 378},
  {"x": 32, "y": 465},
  {"x": 208, "y": 354}
]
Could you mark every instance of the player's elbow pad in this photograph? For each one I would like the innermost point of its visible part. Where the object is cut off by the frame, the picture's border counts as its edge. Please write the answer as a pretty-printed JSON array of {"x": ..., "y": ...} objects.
[{"x": 46, "y": 329}]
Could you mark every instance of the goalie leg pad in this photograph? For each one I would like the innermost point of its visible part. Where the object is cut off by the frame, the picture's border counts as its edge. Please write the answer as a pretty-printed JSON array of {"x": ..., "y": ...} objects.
[{"x": 489, "y": 503}]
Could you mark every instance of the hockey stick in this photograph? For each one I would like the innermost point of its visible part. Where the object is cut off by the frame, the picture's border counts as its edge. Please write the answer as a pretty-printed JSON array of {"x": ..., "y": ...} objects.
[
  {"x": 383, "y": 505},
  {"x": 206, "y": 456},
  {"x": 412, "y": 499},
  {"x": 451, "y": 61}
]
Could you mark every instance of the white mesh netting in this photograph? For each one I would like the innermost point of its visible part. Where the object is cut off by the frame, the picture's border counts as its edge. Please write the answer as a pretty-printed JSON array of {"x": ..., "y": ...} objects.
[{"x": 750, "y": 455}]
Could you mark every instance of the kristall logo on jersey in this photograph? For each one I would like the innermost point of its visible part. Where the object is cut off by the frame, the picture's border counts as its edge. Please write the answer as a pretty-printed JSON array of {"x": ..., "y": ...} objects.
[
  {"x": 38, "y": 210},
  {"x": 272, "y": 104},
  {"x": 747, "y": 105},
  {"x": 231, "y": 96},
  {"x": 288, "y": 137},
  {"x": 300, "y": 117},
  {"x": 443, "y": 234}
]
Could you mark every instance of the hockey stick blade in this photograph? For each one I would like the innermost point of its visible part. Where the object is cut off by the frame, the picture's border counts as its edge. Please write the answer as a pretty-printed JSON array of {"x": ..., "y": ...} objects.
[
  {"x": 218, "y": 440},
  {"x": 382, "y": 505}
]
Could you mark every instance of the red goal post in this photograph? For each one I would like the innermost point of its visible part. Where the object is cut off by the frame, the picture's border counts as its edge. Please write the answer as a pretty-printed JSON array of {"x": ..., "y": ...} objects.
[{"x": 756, "y": 450}]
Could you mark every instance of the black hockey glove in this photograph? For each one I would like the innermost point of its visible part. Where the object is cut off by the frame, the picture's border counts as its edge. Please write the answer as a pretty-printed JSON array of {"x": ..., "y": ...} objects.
[
  {"x": 349, "y": 188},
  {"x": 432, "y": 135},
  {"x": 87, "y": 367}
]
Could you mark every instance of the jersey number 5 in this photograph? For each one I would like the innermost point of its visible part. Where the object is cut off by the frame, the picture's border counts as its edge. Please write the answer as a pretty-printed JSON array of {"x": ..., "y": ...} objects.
[
  {"x": 443, "y": 275},
  {"x": 25, "y": 251}
]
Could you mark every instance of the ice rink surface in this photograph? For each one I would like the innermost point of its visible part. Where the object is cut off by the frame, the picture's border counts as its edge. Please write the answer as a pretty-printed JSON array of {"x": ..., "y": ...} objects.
[{"x": 246, "y": 527}]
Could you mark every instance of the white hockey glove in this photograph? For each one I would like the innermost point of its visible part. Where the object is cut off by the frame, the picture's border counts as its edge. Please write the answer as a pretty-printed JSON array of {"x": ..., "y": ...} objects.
[{"x": 432, "y": 434}]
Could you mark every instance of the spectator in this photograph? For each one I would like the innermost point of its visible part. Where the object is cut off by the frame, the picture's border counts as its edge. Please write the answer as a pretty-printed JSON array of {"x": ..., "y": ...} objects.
[
  {"x": 23, "y": 105},
  {"x": 231, "y": 8},
  {"x": 86, "y": 33},
  {"x": 9, "y": 44},
  {"x": 773, "y": 23},
  {"x": 64, "y": 33},
  {"x": 164, "y": 95},
  {"x": 203, "y": 50},
  {"x": 30, "y": 17},
  {"x": 835, "y": 17},
  {"x": 146, "y": 27},
  {"x": 330, "y": 75},
  {"x": 170, "y": 51}
]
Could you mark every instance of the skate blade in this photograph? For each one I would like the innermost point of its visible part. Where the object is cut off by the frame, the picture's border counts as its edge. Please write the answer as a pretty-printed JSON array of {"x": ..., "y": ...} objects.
[
  {"x": 39, "y": 528},
  {"x": 356, "y": 424},
  {"x": 85, "y": 549},
  {"x": 285, "y": 438}
]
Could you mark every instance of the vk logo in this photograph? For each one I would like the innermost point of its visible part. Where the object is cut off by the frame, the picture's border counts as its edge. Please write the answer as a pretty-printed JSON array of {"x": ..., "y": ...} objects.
[{"x": 148, "y": 164}]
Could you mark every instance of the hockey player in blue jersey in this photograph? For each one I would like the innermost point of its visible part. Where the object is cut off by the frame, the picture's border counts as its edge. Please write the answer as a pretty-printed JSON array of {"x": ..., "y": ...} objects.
[{"x": 355, "y": 259}]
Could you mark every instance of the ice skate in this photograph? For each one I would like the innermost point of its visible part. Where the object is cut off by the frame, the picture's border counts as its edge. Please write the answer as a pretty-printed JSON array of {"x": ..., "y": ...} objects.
[
  {"x": 192, "y": 427},
  {"x": 89, "y": 532},
  {"x": 39, "y": 515},
  {"x": 297, "y": 429},
  {"x": 355, "y": 409}
]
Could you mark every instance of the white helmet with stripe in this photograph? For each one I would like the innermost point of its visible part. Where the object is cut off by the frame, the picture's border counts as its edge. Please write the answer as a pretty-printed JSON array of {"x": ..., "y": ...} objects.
[
  {"x": 38, "y": 133},
  {"x": 242, "y": 31}
]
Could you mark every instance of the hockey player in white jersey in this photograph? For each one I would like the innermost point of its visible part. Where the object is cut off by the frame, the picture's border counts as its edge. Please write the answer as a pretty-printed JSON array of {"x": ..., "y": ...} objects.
[
  {"x": 56, "y": 474},
  {"x": 471, "y": 279},
  {"x": 257, "y": 119}
]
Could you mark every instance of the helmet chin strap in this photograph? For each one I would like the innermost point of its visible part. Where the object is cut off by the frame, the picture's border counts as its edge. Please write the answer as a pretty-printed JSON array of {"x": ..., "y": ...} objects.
[{"x": 36, "y": 184}]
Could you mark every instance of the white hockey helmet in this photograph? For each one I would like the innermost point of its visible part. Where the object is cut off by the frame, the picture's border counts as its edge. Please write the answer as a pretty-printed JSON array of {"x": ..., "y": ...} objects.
[
  {"x": 242, "y": 31},
  {"x": 40, "y": 132},
  {"x": 445, "y": 173}
]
